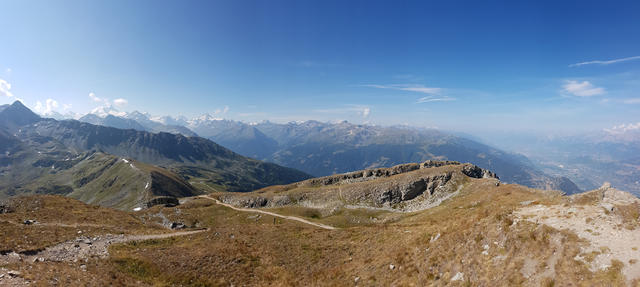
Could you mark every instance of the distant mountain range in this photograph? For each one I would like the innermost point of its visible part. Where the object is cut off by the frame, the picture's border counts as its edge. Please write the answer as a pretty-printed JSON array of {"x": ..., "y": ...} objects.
[
  {"x": 136, "y": 121},
  {"x": 322, "y": 149},
  {"x": 589, "y": 159},
  {"x": 119, "y": 167}
]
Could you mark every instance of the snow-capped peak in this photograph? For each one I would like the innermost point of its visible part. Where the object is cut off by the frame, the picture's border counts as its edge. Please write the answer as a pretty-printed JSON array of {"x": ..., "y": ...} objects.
[{"x": 104, "y": 111}]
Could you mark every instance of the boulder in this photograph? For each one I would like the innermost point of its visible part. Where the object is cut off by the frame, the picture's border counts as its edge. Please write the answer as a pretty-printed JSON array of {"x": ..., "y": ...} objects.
[
  {"x": 178, "y": 225},
  {"x": 5, "y": 208},
  {"x": 167, "y": 201}
]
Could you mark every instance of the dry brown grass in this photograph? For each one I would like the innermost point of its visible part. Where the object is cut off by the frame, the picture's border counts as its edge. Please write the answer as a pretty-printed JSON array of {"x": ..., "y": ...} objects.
[
  {"x": 241, "y": 249},
  {"x": 630, "y": 215},
  {"x": 60, "y": 219}
]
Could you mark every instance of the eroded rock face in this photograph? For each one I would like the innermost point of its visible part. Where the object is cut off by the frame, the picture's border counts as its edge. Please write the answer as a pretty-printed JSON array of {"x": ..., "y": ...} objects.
[
  {"x": 409, "y": 190},
  {"x": 405, "y": 187},
  {"x": 369, "y": 174},
  {"x": 477, "y": 172}
]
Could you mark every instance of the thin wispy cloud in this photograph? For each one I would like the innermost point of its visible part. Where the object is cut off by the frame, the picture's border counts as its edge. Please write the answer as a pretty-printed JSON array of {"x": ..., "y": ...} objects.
[
  {"x": 361, "y": 111},
  {"x": 430, "y": 99},
  {"x": 409, "y": 88},
  {"x": 632, "y": 101},
  {"x": 120, "y": 102},
  {"x": 222, "y": 111},
  {"x": 607, "y": 62},
  {"x": 582, "y": 89},
  {"x": 95, "y": 98}
]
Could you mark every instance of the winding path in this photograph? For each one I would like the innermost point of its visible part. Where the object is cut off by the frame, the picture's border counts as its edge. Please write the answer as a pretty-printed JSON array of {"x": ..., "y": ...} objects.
[
  {"x": 85, "y": 247},
  {"x": 328, "y": 227}
]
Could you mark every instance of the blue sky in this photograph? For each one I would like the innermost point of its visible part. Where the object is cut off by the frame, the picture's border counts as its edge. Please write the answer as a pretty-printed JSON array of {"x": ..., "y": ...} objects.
[{"x": 459, "y": 65}]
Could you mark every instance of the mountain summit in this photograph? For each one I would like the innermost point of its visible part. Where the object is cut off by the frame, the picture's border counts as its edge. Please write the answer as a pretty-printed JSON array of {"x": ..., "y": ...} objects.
[{"x": 15, "y": 115}]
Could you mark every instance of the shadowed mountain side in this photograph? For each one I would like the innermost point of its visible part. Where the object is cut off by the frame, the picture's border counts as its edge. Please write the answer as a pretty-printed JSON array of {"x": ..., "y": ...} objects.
[
  {"x": 15, "y": 115},
  {"x": 211, "y": 162}
]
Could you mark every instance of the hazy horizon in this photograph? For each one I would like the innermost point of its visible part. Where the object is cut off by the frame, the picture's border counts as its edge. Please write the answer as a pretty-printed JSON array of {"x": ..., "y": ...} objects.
[{"x": 541, "y": 67}]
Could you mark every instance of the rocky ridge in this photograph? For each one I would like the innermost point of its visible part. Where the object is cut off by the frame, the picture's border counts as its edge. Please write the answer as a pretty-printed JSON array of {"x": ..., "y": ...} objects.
[
  {"x": 605, "y": 218},
  {"x": 405, "y": 187}
]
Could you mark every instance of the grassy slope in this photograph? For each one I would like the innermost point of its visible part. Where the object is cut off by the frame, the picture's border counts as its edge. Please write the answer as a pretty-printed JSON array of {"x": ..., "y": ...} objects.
[
  {"x": 99, "y": 178},
  {"x": 242, "y": 249},
  {"x": 59, "y": 219}
]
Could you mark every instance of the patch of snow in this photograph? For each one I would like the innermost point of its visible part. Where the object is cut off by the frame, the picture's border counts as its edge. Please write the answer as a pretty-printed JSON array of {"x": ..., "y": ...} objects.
[
  {"x": 137, "y": 209},
  {"x": 146, "y": 185},
  {"x": 125, "y": 161}
]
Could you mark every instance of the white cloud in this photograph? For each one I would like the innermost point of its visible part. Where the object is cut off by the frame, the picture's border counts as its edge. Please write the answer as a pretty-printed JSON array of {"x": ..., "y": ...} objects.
[
  {"x": 38, "y": 108},
  {"x": 365, "y": 112},
  {"x": 5, "y": 89},
  {"x": 608, "y": 62},
  {"x": 105, "y": 110},
  {"x": 94, "y": 98},
  {"x": 9, "y": 70},
  {"x": 107, "y": 107},
  {"x": 48, "y": 108},
  {"x": 51, "y": 104},
  {"x": 582, "y": 89},
  {"x": 409, "y": 88},
  {"x": 222, "y": 111},
  {"x": 429, "y": 99},
  {"x": 623, "y": 128},
  {"x": 66, "y": 107},
  {"x": 632, "y": 101},
  {"x": 120, "y": 102}
]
